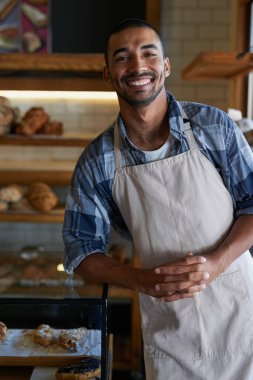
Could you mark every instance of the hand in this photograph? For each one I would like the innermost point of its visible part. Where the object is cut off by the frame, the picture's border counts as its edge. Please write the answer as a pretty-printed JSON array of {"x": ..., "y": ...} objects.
[{"x": 177, "y": 280}]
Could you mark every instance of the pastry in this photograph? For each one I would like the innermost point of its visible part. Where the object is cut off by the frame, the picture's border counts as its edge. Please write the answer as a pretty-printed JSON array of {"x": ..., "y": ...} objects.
[
  {"x": 4, "y": 101},
  {"x": 11, "y": 193},
  {"x": 32, "y": 121},
  {"x": 51, "y": 128},
  {"x": 44, "y": 335},
  {"x": 69, "y": 338},
  {"x": 6, "y": 119},
  {"x": 3, "y": 206},
  {"x": 22, "y": 205},
  {"x": 88, "y": 368},
  {"x": 41, "y": 197},
  {"x": 36, "y": 120},
  {"x": 3, "y": 331}
]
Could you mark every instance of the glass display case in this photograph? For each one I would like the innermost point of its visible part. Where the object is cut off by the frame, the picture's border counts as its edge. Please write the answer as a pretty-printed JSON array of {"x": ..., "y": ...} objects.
[{"x": 43, "y": 334}]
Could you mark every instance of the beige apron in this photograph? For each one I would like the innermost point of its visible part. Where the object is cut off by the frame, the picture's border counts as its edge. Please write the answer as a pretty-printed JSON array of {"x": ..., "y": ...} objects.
[{"x": 173, "y": 206}]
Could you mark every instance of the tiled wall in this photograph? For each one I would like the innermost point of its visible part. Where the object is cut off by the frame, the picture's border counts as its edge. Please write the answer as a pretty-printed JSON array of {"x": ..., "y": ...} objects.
[
  {"x": 187, "y": 27},
  {"x": 78, "y": 115}
]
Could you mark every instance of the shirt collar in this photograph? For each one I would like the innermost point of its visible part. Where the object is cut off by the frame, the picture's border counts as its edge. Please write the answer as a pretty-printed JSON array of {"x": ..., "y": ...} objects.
[{"x": 175, "y": 121}]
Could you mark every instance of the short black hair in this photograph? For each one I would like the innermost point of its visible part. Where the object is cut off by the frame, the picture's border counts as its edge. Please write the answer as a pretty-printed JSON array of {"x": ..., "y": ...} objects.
[{"x": 127, "y": 24}]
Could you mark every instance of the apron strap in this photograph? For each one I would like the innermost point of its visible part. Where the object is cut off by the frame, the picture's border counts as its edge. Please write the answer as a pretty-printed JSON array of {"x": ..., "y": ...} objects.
[
  {"x": 117, "y": 146},
  {"x": 188, "y": 133},
  {"x": 188, "y": 130}
]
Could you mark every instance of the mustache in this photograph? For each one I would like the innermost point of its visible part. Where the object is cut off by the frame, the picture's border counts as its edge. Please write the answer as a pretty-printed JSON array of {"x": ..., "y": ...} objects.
[{"x": 138, "y": 75}]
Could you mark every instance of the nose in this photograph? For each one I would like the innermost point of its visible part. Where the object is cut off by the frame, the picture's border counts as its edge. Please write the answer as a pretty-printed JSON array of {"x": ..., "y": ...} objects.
[{"x": 137, "y": 64}]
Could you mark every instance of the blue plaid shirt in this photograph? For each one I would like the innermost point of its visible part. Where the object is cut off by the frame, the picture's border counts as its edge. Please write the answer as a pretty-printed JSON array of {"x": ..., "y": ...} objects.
[{"x": 90, "y": 208}]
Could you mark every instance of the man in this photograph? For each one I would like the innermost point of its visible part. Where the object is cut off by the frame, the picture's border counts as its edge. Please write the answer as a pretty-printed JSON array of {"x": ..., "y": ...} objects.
[{"x": 177, "y": 178}]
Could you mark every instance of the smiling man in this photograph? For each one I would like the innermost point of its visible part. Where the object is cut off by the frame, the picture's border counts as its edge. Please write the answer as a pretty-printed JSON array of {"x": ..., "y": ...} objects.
[{"x": 177, "y": 179}]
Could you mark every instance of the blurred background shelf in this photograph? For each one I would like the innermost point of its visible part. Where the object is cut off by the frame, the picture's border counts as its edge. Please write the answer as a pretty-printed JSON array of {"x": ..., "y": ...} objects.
[
  {"x": 67, "y": 139},
  {"x": 28, "y": 171},
  {"x": 218, "y": 65}
]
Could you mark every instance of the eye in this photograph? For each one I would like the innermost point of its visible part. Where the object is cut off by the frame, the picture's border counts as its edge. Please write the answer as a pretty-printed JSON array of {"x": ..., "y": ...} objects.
[
  {"x": 149, "y": 54},
  {"x": 122, "y": 58}
]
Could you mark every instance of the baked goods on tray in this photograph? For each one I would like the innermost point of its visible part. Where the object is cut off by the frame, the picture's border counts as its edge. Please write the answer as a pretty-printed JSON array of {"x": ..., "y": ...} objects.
[
  {"x": 70, "y": 338},
  {"x": 44, "y": 335},
  {"x": 3, "y": 331},
  {"x": 87, "y": 368}
]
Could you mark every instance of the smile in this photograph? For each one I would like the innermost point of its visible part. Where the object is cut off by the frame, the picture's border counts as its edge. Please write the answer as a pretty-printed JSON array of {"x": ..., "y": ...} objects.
[{"x": 141, "y": 82}]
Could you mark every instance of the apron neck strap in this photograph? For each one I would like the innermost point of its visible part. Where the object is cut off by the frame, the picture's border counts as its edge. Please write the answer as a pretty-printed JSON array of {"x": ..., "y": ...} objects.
[
  {"x": 188, "y": 133},
  {"x": 188, "y": 129},
  {"x": 117, "y": 146}
]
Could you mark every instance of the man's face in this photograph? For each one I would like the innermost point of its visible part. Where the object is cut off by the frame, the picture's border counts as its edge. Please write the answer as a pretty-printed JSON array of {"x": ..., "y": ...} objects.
[{"x": 136, "y": 66}]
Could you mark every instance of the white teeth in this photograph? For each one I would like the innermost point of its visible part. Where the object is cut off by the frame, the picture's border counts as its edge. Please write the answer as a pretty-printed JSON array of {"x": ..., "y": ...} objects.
[{"x": 139, "y": 82}]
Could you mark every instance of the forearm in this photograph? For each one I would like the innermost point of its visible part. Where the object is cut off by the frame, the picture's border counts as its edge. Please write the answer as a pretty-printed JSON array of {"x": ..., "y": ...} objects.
[
  {"x": 160, "y": 283},
  {"x": 103, "y": 269}
]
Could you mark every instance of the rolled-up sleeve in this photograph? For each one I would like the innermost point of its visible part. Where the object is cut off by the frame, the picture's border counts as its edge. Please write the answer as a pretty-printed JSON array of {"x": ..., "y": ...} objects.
[
  {"x": 240, "y": 161},
  {"x": 86, "y": 227}
]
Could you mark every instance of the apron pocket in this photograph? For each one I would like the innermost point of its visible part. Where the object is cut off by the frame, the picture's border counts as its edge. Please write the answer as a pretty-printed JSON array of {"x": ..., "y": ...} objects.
[{"x": 215, "y": 322}]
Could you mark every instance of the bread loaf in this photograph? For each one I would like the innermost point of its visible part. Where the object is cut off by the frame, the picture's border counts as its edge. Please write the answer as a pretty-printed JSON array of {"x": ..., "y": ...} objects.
[{"x": 41, "y": 197}]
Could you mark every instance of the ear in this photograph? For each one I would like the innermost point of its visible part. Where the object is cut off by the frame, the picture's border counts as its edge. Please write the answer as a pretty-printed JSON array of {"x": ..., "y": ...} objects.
[
  {"x": 166, "y": 67},
  {"x": 107, "y": 76}
]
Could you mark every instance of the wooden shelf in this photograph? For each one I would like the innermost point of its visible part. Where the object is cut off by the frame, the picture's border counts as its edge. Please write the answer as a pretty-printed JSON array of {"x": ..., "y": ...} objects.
[
  {"x": 54, "y": 216},
  {"x": 218, "y": 65},
  {"x": 52, "y": 72},
  {"x": 66, "y": 139},
  {"x": 25, "y": 172},
  {"x": 61, "y": 291},
  {"x": 80, "y": 63}
]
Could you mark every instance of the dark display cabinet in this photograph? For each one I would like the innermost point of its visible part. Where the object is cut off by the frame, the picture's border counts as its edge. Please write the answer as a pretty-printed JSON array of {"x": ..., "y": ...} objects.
[{"x": 19, "y": 351}]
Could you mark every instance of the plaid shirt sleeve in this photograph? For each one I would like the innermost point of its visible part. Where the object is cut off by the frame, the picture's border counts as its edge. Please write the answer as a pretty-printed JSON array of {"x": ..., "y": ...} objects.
[
  {"x": 223, "y": 143},
  {"x": 240, "y": 167},
  {"x": 90, "y": 209}
]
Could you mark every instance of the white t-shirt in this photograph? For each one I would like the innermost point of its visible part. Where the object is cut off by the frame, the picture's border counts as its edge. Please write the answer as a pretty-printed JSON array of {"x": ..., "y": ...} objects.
[{"x": 158, "y": 154}]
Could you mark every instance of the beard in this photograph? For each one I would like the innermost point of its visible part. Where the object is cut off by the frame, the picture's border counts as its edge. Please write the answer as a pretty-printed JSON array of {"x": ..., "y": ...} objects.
[{"x": 141, "y": 102}]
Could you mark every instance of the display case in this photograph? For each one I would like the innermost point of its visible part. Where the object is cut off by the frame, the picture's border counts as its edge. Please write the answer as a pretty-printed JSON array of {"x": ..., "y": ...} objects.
[{"x": 86, "y": 318}]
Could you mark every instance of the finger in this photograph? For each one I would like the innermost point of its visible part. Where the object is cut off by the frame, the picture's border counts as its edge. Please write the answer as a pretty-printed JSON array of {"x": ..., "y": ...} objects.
[
  {"x": 176, "y": 297},
  {"x": 190, "y": 258},
  {"x": 189, "y": 276},
  {"x": 172, "y": 287},
  {"x": 187, "y": 264},
  {"x": 192, "y": 289},
  {"x": 187, "y": 293},
  {"x": 180, "y": 287}
]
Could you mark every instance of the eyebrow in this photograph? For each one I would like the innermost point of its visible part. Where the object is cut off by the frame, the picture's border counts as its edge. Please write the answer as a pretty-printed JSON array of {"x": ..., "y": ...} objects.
[{"x": 144, "y": 47}]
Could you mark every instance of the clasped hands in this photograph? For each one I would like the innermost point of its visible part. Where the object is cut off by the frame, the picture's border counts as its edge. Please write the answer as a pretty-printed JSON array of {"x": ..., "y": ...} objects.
[{"x": 180, "y": 279}]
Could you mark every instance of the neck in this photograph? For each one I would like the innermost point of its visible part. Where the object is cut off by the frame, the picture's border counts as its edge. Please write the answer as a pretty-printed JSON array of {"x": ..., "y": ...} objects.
[{"x": 147, "y": 127}]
